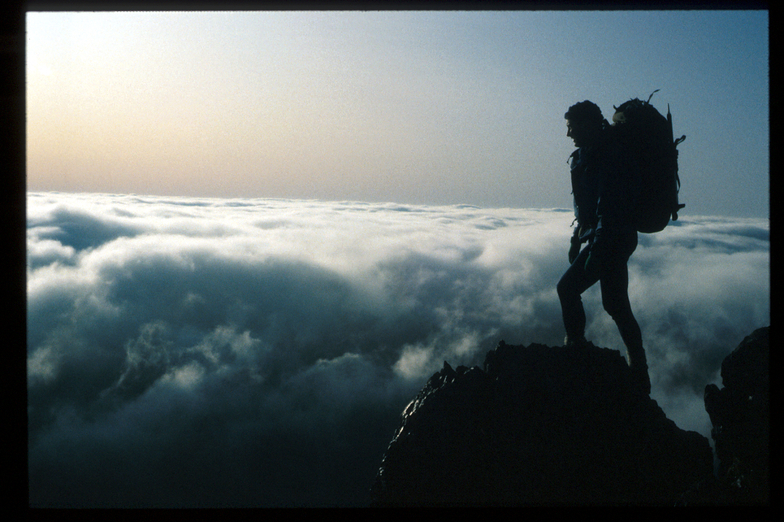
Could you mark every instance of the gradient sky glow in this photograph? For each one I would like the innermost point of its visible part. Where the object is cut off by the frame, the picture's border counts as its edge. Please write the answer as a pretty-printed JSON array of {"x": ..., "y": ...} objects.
[{"x": 412, "y": 107}]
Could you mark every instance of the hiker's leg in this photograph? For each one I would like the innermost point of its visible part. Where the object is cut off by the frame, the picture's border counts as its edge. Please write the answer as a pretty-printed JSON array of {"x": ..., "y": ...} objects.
[
  {"x": 573, "y": 283},
  {"x": 615, "y": 299},
  {"x": 615, "y": 288}
]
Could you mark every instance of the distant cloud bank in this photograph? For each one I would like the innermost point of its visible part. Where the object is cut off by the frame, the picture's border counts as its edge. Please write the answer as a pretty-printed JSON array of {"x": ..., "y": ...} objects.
[{"x": 210, "y": 352}]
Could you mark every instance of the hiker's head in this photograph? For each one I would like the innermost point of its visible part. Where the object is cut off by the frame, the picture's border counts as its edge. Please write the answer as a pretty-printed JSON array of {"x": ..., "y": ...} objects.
[{"x": 584, "y": 122}]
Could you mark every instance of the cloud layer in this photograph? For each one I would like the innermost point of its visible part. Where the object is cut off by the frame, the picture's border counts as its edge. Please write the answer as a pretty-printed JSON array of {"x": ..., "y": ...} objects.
[{"x": 207, "y": 352}]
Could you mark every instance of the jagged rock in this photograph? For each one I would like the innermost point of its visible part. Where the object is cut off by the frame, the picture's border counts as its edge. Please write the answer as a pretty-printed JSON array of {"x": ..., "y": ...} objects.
[
  {"x": 740, "y": 414},
  {"x": 538, "y": 425}
]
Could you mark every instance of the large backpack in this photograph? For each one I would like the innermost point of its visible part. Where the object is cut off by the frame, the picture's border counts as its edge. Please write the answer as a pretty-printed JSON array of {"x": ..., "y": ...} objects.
[{"x": 647, "y": 136}]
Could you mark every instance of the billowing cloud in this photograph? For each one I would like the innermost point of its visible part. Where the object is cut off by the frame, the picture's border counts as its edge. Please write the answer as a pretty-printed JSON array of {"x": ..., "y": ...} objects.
[{"x": 206, "y": 352}]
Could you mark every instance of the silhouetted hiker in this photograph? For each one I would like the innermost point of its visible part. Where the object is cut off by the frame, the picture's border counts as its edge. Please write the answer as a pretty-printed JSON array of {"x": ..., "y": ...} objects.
[{"x": 604, "y": 185}]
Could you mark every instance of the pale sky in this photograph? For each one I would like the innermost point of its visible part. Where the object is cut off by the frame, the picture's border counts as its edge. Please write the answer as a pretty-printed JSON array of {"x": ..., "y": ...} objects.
[{"x": 408, "y": 107}]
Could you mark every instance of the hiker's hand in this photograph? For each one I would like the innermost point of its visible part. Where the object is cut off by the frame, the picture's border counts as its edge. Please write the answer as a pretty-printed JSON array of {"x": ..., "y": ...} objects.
[
  {"x": 574, "y": 250},
  {"x": 593, "y": 265},
  {"x": 593, "y": 261}
]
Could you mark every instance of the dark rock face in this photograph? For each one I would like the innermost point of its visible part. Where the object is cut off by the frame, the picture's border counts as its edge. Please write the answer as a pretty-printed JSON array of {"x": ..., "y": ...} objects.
[
  {"x": 740, "y": 414},
  {"x": 538, "y": 425}
]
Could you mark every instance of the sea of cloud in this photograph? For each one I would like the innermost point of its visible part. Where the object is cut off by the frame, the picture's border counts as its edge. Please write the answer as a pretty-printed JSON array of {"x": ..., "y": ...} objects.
[{"x": 258, "y": 352}]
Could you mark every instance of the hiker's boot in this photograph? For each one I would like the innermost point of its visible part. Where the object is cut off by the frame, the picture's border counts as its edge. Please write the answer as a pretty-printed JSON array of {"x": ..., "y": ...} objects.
[{"x": 635, "y": 357}]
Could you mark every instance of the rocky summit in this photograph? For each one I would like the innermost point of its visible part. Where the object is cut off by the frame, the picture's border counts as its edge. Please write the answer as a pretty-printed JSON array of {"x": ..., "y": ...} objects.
[{"x": 539, "y": 425}]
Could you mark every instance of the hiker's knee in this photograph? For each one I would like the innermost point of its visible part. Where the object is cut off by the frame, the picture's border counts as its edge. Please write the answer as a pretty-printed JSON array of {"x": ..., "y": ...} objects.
[
  {"x": 566, "y": 289},
  {"x": 617, "y": 306},
  {"x": 561, "y": 288}
]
